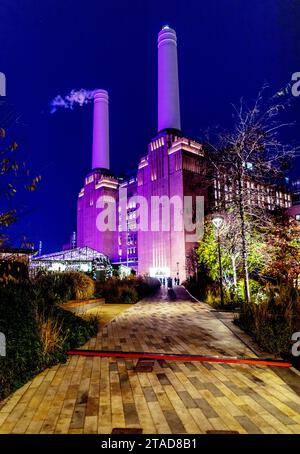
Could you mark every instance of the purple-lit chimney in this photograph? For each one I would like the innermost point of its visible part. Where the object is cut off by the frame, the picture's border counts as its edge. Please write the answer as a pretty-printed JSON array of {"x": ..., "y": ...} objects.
[
  {"x": 168, "y": 86},
  {"x": 101, "y": 131}
]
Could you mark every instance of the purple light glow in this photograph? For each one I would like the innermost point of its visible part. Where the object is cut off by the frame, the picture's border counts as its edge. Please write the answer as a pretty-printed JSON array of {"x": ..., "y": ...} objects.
[
  {"x": 101, "y": 131},
  {"x": 168, "y": 85}
]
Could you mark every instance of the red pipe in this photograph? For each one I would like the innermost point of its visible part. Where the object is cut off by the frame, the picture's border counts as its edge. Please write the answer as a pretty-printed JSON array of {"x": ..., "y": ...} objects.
[{"x": 179, "y": 357}]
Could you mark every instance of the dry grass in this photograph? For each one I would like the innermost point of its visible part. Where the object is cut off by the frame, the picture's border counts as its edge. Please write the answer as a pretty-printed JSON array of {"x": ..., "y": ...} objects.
[
  {"x": 84, "y": 286},
  {"x": 51, "y": 334},
  {"x": 273, "y": 318}
]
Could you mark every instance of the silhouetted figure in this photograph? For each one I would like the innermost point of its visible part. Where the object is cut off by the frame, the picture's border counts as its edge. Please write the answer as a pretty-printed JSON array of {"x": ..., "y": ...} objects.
[
  {"x": 164, "y": 282},
  {"x": 170, "y": 284}
]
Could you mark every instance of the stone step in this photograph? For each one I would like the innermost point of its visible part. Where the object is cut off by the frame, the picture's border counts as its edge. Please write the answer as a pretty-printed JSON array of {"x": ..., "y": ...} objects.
[{"x": 81, "y": 306}]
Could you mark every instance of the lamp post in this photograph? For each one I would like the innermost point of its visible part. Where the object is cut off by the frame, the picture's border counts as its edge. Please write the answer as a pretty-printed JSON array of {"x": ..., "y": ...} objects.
[{"x": 218, "y": 222}]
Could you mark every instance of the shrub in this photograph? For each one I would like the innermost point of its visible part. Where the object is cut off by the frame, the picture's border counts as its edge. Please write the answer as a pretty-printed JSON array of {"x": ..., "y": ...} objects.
[
  {"x": 146, "y": 285},
  {"x": 129, "y": 294},
  {"x": 83, "y": 286},
  {"x": 273, "y": 317},
  {"x": 129, "y": 290},
  {"x": 55, "y": 287},
  {"x": 51, "y": 335},
  {"x": 37, "y": 334},
  {"x": 209, "y": 292},
  {"x": 63, "y": 286},
  {"x": 255, "y": 287},
  {"x": 23, "y": 344}
]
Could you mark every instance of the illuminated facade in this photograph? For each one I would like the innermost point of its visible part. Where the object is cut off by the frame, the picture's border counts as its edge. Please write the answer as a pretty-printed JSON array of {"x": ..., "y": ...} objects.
[
  {"x": 295, "y": 208},
  {"x": 78, "y": 259},
  {"x": 173, "y": 168}
]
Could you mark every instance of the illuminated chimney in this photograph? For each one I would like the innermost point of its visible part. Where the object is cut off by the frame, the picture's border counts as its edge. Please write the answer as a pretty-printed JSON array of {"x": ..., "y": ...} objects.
[
  {"x": 101, "y": 131},
  {"x": 168, "y": 86}
]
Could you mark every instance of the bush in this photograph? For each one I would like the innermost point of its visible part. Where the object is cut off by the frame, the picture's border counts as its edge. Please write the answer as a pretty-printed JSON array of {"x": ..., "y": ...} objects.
[
  {"x": 272, "y": 318},
  {"x": 254, "y": 285},
  {"x": 23, "y": 344},
  {"x": 209, "y": 292},
  {"x": 64, "y": 286},
  {"x": 37, "y": 334},
  {"x": 128, "y": 290},
  {"x": 129, "y": 294},
  {"x": 83, "y": 286}
]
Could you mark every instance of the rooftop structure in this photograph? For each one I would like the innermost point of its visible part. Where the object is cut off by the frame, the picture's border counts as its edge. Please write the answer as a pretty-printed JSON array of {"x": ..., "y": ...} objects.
[{"x": 79, "y": 259}]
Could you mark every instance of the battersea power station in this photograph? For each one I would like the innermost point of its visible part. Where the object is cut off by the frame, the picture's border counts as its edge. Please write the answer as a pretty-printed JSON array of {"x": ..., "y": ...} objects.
[{"x": 171, "y": 170}]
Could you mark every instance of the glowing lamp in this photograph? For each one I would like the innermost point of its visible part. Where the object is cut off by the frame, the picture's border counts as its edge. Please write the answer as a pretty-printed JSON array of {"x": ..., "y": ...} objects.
[{"x": 218, "y": 221}]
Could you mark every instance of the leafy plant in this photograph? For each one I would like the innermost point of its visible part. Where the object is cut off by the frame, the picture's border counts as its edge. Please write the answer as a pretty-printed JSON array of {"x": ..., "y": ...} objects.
[
  {"x": 38, "y": 334},
  {"x": 61, "y": 287},
  {"x": 273, "y": 317}
]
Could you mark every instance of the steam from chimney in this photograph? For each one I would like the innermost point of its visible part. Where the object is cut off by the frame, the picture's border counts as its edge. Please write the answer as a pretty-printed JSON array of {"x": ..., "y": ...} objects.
[
  {"x": 168, "y": 85},
  {"x": 74, "y": 98}
]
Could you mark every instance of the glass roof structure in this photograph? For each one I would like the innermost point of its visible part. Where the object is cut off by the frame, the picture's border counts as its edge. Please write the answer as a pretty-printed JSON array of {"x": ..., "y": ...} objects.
[{"x": 81, "y": 259}]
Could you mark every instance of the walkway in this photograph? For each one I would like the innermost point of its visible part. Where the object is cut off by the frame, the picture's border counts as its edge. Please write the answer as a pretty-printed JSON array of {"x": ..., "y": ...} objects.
[{"x": 96, "y": 395}]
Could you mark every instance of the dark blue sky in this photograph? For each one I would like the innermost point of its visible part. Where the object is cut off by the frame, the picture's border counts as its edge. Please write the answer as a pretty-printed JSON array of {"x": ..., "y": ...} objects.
[{"x": 227, "y": 49}]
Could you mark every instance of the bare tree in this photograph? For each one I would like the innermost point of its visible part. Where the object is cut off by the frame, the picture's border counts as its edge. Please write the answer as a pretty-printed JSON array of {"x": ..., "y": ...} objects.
[
  {"x": 248, "y": 165},
  {"x": 231, "y": 242}
]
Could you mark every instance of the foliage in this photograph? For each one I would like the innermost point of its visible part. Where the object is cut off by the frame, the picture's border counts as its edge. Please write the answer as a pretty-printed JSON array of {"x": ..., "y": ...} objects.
[
  {"x": 129, "y": 294},
  {"x": 13, "y": 269},
  {"x": 15, "y": 177},
  {"x": 129, "y": 290},
  {"x": 255, "y": 288},
  {"x": 283, "y": 251},
  {"x": 37, "y": 334},
  {"x": 63, "y": 286},
  {"x": 273, "y": 318},
  {"x": 208, "y": 251},
  {"x": 24, "y": 348},
  {"x": 248, "y": 161},
  {"x": 230, "y": 244}
]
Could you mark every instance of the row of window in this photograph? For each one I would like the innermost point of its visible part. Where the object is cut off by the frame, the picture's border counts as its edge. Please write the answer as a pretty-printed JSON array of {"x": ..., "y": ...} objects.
[
  {"x": 130, "y": 251},
  {"x": 256, "y": 194}
]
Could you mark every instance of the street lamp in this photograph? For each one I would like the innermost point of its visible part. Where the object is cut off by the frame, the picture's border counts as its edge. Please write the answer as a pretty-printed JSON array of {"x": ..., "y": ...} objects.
[{"x": 217, "y": 221}]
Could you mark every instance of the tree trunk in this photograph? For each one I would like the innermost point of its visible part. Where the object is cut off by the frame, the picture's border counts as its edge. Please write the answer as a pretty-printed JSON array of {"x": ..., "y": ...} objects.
[
  {"x": 244, "y": 240},
  {"x": 233, "y": 262}
]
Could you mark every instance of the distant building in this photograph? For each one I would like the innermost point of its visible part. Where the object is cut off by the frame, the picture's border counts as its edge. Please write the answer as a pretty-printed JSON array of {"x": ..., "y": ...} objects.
[
  {"x": 174, "y": 167},
  {"x": 82, "y": 259},
  {"x": 295, "y": 190}
]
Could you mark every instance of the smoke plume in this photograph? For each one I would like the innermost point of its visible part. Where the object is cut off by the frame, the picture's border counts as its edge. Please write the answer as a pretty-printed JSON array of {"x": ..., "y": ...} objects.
[{"x": 75, "y": 97}]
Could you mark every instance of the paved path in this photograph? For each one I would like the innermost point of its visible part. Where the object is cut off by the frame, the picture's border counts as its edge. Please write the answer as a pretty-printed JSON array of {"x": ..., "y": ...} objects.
[{"x": 95, "y": 395}]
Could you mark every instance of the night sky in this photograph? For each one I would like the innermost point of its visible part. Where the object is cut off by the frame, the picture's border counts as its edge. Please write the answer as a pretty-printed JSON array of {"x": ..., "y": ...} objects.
[{"x": 226, "y": 48}]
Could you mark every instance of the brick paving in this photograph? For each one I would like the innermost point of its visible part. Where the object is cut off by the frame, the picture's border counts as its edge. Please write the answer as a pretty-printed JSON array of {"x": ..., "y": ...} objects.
[{"x": 97, "y": 395}]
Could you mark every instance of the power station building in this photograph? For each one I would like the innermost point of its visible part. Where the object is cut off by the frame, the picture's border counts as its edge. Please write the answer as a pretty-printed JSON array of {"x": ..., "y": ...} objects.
[{"x": 173, "y": 168}]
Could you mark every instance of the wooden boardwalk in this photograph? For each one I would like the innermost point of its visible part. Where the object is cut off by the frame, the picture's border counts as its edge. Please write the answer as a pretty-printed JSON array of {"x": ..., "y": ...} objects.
[{"x": 96, "y": 395}]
